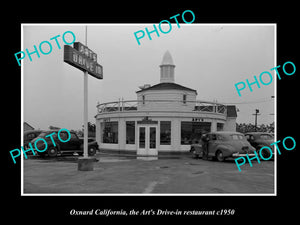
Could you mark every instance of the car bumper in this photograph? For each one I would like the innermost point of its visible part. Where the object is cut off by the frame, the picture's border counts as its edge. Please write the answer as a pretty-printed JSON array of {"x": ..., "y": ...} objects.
[{"x": 235, "y": 155}]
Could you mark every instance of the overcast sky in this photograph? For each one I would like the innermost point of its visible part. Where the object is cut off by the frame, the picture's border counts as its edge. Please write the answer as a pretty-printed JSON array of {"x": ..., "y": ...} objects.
[{"x": 209, "y": 58}]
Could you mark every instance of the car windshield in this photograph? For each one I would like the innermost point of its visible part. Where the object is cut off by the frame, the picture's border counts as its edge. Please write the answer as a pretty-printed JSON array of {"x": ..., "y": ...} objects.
[
  {"x": 266, "y": 137},
  {"x": 237, "y": 137}
]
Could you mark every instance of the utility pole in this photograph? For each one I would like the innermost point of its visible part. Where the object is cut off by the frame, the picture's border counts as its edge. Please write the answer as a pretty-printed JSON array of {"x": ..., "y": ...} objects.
[{"x": 256, "y": 114}]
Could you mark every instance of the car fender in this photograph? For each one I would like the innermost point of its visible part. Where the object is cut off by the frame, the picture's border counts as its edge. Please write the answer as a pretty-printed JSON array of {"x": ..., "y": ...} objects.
[
  {"x": 90, "y": 144},
  {"x": 94, "y": 144},
  {"x": 262, "y": 145},
  {"x": 50, "y": 144},
  {"x": 226, "y": 150},
  {"x": 258, "y": 147}
]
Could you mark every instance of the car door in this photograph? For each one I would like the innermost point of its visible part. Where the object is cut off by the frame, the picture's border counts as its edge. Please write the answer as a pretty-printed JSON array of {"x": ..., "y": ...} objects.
[
  {"x": 212, "y": 144},
  {"x": 74, "y": 142},
  {"x": 64, "y": 146},
  {"x": 252, "y": 140}
]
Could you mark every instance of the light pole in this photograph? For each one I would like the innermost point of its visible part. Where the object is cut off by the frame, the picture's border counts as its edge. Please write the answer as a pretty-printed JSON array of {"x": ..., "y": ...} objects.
[{"x": 256, "y": 114}]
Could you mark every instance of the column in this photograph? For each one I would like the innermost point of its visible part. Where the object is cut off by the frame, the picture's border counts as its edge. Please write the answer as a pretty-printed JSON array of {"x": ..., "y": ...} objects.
[
  {"x": 98, "y": 132},
  {"x": 213, "y": 127},
  {"x": 122, "y": 133},
  {"x": 175, "y": 134}
]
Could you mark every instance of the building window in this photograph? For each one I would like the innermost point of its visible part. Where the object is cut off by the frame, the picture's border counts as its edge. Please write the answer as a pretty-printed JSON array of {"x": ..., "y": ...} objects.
[
  {"x": 110, "y": 132},
  {"x": 191, "y": 131},
  {"x": 143, "y": 98},
  {"x": 184, "y": 99},
  {"x": 165, "y": 132},
  {"x": 130, "y": 132},
  {"x": 220, "y": 126}
]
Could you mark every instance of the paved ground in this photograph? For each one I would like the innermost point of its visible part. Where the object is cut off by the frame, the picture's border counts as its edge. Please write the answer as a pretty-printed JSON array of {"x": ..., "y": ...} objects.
[{"x": 113, "y": 174}]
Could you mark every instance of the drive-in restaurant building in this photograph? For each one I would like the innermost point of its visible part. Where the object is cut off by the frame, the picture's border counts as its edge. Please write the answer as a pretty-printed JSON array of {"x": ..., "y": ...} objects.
[{"x": 166, "y": 117}]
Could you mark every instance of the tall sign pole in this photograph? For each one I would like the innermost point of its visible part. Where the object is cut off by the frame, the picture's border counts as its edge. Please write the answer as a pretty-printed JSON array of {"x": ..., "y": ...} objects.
[
  {"x": 83, "y": 58},
  {"x": 85, "y": 107}
]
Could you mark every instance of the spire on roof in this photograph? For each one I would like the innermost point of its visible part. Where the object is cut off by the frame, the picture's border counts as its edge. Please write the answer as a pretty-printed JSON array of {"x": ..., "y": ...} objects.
[
  {"x": 167, "y": 59},
  {"x": 167, "y": 69}
]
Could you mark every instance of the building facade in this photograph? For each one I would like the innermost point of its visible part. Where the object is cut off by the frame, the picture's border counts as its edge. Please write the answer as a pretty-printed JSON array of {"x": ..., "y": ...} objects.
[
  {"x": 27, "y": 126},
  {"x": 166, "y": 117}
]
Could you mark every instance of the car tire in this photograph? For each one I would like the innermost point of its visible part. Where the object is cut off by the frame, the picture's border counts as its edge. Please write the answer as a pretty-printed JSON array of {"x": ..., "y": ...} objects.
[
  {"x": 52, "y": 152},
  {"x": 265, "y": 154},
  {"x": 219, "y": 156},
  {"x": 91, "y": 151}
]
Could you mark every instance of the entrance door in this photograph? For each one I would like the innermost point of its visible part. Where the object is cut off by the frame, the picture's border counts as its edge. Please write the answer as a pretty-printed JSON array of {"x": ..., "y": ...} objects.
[{"x": 147, "y": 140}]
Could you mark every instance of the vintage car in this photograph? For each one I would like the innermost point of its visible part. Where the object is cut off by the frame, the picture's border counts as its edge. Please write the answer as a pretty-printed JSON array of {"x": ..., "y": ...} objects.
[
  {"x": 30, "y": 135},
  {"x": 224, "y": 144},
  {"x": 196, "y": 149},
  {"x": 260, "y": 139},
  {"x": 74, "y": 145}
]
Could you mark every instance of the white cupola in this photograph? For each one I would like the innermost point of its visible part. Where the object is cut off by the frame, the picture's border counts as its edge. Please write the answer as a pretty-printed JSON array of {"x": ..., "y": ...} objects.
[{"x": 167, "y": 69}]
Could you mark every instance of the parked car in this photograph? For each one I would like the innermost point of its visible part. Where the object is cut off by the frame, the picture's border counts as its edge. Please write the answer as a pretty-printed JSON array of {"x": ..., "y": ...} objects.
[
  {"x": 90, "y": 139},
  {"x": 75, "y": 144},
  {"x": 226, "y": 144},
  {"x": 30, "y": 135},
  {"x": 197, "y": 149},
  {"x": 260, "y": 139}
]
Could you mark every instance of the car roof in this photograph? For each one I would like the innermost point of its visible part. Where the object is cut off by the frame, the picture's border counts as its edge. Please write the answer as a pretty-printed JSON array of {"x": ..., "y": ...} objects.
[
  {"x": 56, "y": 130},
  {"x": 32, "y": 131}
]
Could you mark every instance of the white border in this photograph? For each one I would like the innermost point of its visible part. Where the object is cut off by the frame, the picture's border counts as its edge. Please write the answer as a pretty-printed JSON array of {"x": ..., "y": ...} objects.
[
  {"x": 154, "y": 194},
  {"x": 22, "y": 114}
]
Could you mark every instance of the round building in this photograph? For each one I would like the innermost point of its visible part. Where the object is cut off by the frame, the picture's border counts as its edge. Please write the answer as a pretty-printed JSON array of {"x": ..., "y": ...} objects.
[{"x": 166, "y": 117}]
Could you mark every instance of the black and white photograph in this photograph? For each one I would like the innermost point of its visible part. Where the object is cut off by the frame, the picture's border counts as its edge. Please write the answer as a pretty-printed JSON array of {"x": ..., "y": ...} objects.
[
  {"x": 166, "y": 116},
  {"x": 155, "y": 114}
]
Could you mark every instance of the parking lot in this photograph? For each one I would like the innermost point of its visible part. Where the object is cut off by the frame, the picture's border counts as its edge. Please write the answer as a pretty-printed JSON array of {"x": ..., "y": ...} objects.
[{"x": 126, "y": 175}]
